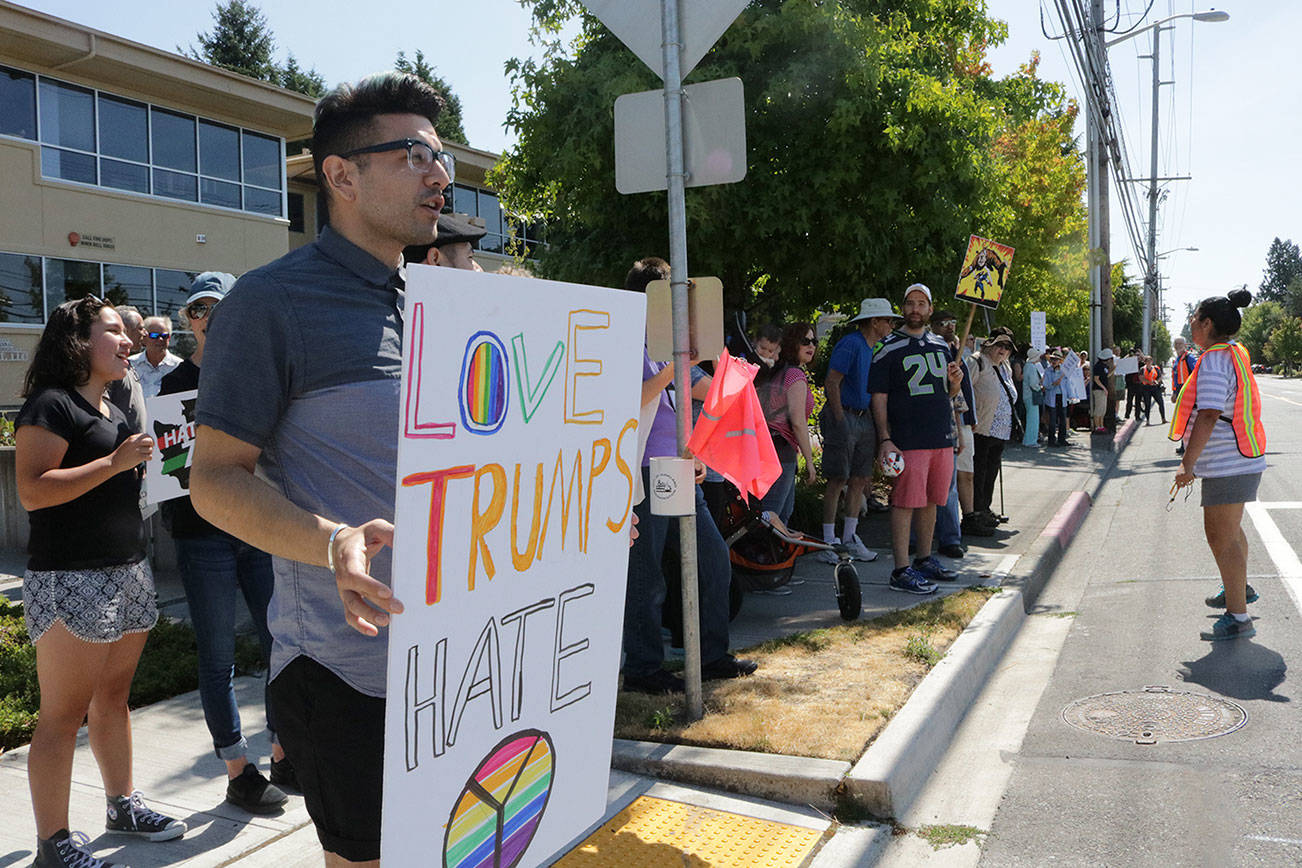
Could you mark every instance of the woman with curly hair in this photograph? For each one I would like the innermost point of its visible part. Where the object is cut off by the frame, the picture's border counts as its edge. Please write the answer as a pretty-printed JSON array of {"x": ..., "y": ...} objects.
[{"x": 88, "y": 593}]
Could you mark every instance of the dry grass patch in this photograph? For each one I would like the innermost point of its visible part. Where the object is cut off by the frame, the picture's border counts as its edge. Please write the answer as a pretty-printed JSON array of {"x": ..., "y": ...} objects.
[{"x": 826, "y": 693}]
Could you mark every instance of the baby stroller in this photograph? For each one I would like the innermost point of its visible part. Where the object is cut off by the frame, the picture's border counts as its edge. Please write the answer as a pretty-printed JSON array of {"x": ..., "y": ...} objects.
[{"x": 763, "y": 553}]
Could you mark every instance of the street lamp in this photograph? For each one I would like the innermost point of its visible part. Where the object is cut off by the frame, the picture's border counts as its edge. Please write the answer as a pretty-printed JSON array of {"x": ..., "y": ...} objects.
[{"x": 1150, "y": 277}]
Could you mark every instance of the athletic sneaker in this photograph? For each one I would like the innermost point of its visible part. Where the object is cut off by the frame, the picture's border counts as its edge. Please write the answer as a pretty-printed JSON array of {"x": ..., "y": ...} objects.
[
  {"x": 910, "y": 581},
  {"x": 1229, "y": 627},
  {"x": 859, "y": 551},
  {"x": 283, "y": 775},
  {"x": 64, "y": 850},
  {"x": 254, "y": 793},
  {"x": 933, "y": 571},
  {"x": 827, "y": 556},
  {"x": 131, "y": 816},
  {"x": 1217, "y": 600}
]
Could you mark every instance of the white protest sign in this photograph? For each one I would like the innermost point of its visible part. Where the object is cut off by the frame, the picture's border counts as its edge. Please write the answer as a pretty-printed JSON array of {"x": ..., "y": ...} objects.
[
  {"x": 516, "y": 464},
  {"x": 1128, "y": 365},
  {"x": 171, "y": 423},
  {"x": 1075, "y": 379},
  {"x": 1039, "y": 329}
]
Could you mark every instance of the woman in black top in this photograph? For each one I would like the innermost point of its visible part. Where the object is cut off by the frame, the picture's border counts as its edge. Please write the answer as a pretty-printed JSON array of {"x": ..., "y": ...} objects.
[{"x": 88, "y": 593}]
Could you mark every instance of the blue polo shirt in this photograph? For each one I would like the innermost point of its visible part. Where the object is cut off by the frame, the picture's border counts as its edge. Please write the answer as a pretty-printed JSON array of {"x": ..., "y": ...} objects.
[
  {"x": 851, "y": 358},
  {"x": 304, "y": 361}
]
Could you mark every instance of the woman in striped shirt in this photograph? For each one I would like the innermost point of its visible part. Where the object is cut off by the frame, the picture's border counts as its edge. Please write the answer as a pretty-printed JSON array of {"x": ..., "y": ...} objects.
[{"x": 1225, "y": 449}]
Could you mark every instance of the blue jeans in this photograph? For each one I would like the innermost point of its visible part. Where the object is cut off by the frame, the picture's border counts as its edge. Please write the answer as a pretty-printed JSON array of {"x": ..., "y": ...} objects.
[
  {"x": 947, "y": 517},
  {"x": 781, "y": 497},
  {"x": 213, "y": 568},
  {"x": 644, "y": 649}
]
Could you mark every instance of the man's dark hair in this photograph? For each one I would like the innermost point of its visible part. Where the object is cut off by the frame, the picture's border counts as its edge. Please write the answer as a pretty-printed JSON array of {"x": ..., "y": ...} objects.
[
  {"x": 345, "y": 117},
  {"x": 939, "y": 316},
  {"x": 62, "y": 357},
  {"x": 644, "y": 271},
  {"x": 770, "y": 332}
]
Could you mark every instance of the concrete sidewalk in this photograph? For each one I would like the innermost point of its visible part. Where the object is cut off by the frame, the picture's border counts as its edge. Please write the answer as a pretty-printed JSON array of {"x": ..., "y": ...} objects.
[{"x": 176, "y": 770}]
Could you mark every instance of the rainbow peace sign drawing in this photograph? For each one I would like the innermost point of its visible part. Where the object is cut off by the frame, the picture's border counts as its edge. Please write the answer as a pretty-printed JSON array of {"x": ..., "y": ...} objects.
[{"x": 502, "y": 804}]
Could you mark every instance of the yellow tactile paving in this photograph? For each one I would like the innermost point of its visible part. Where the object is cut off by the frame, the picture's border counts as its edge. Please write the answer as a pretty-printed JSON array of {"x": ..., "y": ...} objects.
[{"x": 651, "y": 833}]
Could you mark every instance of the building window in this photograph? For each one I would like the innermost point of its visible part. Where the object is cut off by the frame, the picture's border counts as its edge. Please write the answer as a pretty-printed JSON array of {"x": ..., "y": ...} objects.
[
  {"x": 69, "y": 279},
  {"x": 98, "y": 138},
  {"x": 21, "y": 294},
  {"x": 171, "y": 289},
  {"x": 129, "y": 284},
  {"x": 17, "y": 103}
]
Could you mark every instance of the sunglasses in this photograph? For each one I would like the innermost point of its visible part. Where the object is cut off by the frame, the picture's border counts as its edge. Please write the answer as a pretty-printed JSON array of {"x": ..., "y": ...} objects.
[
  {"x": 158, "y": 336},
  {"x": 199, "y": 310},
  {"x": 808, "y": 342}
]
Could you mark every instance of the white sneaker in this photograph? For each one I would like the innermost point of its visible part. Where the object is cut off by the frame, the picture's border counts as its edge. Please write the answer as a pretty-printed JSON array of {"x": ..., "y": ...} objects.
[
  {"x": 859, "y": 551},
  {"x": 827, "y": 556}
]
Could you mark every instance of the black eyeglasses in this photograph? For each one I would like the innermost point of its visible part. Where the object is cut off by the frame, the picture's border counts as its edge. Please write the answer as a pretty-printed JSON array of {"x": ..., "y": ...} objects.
[
  {"x": 808, "y": 342},
  {"x": 198, "y": 310},
  {"x": 158, "y": 336},
  {"x": 421, "y": 157}
]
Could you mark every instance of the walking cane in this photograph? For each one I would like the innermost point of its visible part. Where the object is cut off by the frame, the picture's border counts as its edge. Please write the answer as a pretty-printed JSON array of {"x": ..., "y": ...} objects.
[{"x": 1001, "y": 489}]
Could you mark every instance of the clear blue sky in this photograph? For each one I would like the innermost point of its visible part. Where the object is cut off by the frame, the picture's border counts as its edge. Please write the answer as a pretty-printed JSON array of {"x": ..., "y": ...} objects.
[{"x": 1232, "y": 118}]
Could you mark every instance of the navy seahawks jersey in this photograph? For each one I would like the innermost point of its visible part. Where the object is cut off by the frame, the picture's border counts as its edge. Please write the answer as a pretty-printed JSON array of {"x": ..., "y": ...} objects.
[{"x": 911, "y": 371}]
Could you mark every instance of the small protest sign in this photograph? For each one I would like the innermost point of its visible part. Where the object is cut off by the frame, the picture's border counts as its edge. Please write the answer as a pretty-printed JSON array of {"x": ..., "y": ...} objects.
[
  {"x": 171, "y": 424},
  {"x": 516, "y": 465},
  {"x": 985, "y": 272},
  {"x": 1039, "y": 329}
]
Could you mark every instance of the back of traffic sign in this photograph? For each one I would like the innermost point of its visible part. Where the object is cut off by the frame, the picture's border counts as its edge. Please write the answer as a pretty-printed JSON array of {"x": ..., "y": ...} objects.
[{"x": 637, "y": 24}]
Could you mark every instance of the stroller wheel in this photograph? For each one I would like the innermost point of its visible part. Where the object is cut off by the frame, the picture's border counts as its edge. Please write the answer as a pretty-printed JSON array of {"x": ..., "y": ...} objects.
[
  {"x": 848, "y": 594},
  {"x": 736, "y": 594}
]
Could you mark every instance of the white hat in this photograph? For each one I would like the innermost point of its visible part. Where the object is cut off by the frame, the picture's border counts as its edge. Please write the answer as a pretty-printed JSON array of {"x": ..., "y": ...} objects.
[
  {"x": 1033, "y": 355},
  {"x": 870, "y": 308},
  {"x": 1105, "y": 353},
  {"x": 918, "y": 287}
]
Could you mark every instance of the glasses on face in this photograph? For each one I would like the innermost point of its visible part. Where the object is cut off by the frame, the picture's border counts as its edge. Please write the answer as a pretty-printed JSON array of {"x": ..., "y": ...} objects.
[
  {"x": 808, "y": 342},
  {"x": 947, "y": 323},
  {"x": 199, "y": 310},
  {"x": 158, "y": 336},
  {"x": 421, "y": 157}
]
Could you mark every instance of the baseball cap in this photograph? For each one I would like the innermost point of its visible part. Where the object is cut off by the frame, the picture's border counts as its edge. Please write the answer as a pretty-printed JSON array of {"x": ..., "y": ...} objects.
[
  {"x": 210, "y": 284},
  {"x": 918, "y": 287}
]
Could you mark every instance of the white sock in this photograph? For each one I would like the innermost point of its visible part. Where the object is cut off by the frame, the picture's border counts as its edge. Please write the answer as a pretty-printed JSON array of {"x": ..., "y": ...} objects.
[
  {"x": 1241, "y": 617},
  {"x": 851, "y": 525},
  {"x": 829, "y": 532}
]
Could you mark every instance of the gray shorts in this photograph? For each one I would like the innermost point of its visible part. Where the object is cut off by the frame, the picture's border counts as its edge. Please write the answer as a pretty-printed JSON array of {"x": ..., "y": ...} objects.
[
  {"x": 1219, "y": 490},
  {"x": 848, "y": 450},
  {"x": 99, "y": 605}
]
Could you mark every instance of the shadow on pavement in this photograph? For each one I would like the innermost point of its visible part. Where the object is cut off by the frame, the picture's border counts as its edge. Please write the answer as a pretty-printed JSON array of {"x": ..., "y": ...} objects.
[{"x": 1241, "y": 669}]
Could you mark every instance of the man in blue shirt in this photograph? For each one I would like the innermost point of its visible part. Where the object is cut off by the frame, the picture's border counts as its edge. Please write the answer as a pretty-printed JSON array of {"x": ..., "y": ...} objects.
[
  {"x": 846, "y": 423},
  {"x": 913, "y": 380}
]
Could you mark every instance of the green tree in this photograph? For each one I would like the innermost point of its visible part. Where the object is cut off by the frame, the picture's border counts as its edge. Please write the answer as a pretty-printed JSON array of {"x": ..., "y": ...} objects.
[
  {"x": 870, "y": 133},
  {"x": 242, "y": 41},
  {"x": 1292, "y": 299},
  {"x": 1285, "y": 344},
  {"x": 1127, "y": 308},
  {"x": 1259, "y": 321},
  {"x": 450, "y": 125},
  {"x": 1162, "y": 350},
  {"x": 1283, "y": 266}
]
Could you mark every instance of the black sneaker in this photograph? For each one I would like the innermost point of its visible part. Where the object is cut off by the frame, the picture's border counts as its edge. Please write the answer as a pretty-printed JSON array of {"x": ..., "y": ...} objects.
[
  {"x": 64, "y": 850},
  {"x": 656, "y": 683},
  {"x": 973, "y": 525},
  {"x": 284, "y": 776},
  {"x": 129, "y": 815},
  {"x": 953, "y": 550},
  {"x": 727, "y": 666},
  {"x": 254, "y": 793}
]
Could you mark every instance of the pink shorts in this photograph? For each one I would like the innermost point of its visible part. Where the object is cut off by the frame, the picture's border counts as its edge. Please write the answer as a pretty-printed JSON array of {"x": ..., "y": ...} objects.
[{"x": 926, "y": 478}]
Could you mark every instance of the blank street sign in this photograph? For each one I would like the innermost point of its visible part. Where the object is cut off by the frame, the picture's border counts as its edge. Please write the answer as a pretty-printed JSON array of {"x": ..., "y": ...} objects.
[
  {"x": 714, "y": 137},
  {"x": 637, "y": 24}
]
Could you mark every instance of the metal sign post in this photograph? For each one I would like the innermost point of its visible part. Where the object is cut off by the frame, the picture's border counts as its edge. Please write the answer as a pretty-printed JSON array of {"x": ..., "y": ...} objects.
[{"x": 682, "y": 345}]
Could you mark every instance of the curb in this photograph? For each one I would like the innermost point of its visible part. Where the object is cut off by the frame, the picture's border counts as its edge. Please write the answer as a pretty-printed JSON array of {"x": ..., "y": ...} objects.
[
  {"x": 794, "y": 780},
  {"x": 891, "y": 774}
]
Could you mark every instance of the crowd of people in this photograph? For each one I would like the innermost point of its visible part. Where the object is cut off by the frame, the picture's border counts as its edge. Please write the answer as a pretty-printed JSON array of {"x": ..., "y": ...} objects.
[{"x": 293, "y": 489}]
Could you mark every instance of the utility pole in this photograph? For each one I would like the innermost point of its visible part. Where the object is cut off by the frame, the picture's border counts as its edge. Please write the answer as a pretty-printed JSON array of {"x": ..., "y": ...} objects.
[{"x": 1150, "y": 276}]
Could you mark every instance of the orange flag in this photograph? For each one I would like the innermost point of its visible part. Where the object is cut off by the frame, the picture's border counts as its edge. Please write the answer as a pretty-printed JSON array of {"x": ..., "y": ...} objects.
[{"x": 731, "y": 436}]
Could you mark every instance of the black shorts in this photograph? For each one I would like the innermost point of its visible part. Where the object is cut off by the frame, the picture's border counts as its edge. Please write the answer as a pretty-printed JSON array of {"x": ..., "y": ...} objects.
[{"x": 334, "y": 736}]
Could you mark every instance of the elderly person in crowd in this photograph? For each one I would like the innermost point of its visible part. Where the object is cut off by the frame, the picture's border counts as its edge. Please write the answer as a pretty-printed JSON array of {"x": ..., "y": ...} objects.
[{"x": 996, "y": 420}]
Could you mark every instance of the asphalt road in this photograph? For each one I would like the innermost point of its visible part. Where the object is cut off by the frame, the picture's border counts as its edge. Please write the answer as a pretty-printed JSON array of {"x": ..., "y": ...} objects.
[{"x": 1132, "y": 587}]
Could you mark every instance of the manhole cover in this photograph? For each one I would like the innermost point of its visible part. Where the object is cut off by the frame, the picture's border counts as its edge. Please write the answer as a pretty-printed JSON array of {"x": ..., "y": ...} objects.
[{"x": 1155, "y": 714}]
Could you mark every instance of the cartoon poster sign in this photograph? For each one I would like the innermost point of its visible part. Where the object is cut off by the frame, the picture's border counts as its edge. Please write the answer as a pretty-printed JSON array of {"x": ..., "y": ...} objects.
[
  {"x": 516, "y": 466},
  {"x": 985, "y": 272},
  {"x": 171, "y": 423}
]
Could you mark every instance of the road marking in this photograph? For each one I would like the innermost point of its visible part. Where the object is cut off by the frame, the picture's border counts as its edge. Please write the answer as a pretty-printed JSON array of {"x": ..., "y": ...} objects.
[
  {"x": 1282, "y": 398},
  {"x": 1280, "y": 504},
  {"x": 1272, "y": 840},
  {"x": 1286, "y": 560}
]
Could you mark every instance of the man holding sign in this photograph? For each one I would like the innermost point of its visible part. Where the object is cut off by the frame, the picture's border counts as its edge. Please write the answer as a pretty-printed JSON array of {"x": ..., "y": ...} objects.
[{"x": 303, "y": 361}]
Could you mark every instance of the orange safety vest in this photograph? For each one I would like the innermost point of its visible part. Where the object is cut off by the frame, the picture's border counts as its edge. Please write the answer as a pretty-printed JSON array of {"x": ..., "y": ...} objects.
[
  {"x": 1249, "y": 433},
  {"x": 1149, "y": 374},
  {"x": 1180, "y": 371}
]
